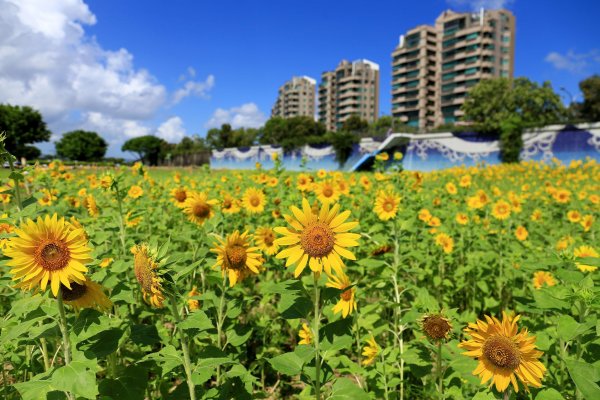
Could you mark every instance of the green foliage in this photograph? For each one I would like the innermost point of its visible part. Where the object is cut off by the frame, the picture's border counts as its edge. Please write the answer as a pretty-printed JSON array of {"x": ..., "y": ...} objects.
[
  {"x": 292, "y": 133},
  {"x": 23, "y": 126},
  {"x": 506, "y": 107},
  {"x": 149, "y": 149},
  {"x": 81, "y": 146},
  {"x": 343, "y": 144},
  {"x": 218, "y": 138},
  {"x": 589, "y": 109}
]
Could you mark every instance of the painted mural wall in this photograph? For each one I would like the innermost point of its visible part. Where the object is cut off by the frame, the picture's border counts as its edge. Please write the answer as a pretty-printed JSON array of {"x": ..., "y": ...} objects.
[{"x": 426, "y": 152}]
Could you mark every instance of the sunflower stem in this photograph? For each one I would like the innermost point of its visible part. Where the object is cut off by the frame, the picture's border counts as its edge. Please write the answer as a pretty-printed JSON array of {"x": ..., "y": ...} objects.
[
  {"x": 385, "y": 381},
  {"x": 62, "y": 323},
  {"x": 439, "y": 371},
  {"x": 506, "y": 394},
  {"x": 220, "y": 321},
  {"x": 45, "y": 354},
  {"x": 187, "y": 364},
  {"x": 316, "y": 336}
]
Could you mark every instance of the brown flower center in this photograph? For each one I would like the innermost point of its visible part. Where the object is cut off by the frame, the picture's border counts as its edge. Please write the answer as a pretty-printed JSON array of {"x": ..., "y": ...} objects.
[
  {"x": 388, "y": 205},
  {"x": 254, "y": 201},
  {"x": 317, "y": 240},
  {"x": 501, "y": 351},
  {"x": 436, "y": 327},
  {"x": 76, "y": 292},
  {"x": 236, "y": 255},
  {"x": 180, "y": 196},
  {"x": 53, "y": 255},
  {"x": 346, "y": 295},
  {"x": 227, "y": 204},
  {"x": 201, "y": 210},
  {"x": 328, "y": 191},
  {"x": 268, "y": 238}
]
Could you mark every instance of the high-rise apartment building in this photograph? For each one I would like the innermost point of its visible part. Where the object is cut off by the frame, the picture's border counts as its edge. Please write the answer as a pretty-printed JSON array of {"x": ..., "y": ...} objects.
[
  {"x": 296, "y": 98},
  {"x": 351, "y": 89},
  {"x": 434, "y": 67}
]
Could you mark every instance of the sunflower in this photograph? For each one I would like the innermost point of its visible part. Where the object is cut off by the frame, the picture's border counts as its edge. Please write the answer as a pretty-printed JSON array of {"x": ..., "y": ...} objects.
[
  {"x": 86, "y": 294},
  {"x": 326, "y": 192},
  {"x": 347, "y": 303},
  {"x": 436, "y": 326},
  {"x": 304, "y": 182},
  {"x": 582, "y": 252},
  {"x": 542, "y": 277},
  {"x": 536, "y": 215},
  {"x": 236, "y": 257},
  {"x": 586, "y": 222},
  {"x": 451, "y": 188},
  {"x": 178, "y": 196},
  {"x": 386, "y": 205},
  {"x": 504, "y": 354},
  {"x": 562, "y": 196},
  {"x": 146, "y": 264},
  {"x": 445, "y": 242},
  {"x": 198, "y": 208},
  {"x": 265, "y": 240},
  {"x": 305, "y": 334},
  {"x": 462, "y": 218},
  {"x": 106, "y": 181},
  {"x": 135, "y": 192},
  {"x": 574, "y": 216},
  {"x": 254, "y": 200},
  {"x": 370, "y": 351},
  {"x": 48, "y": 250},
  {"x": 229, "y": 205},
  {"x": 317, "y": 239},
  {"x": 501, "y": 210},
  {"x": 521, "y": 233},
  {"x": 465, "y": 181},
  {"x": 424, "y": 215},
  {"x": 91, "y": 206},
  {"x": 106, "y": 262}
]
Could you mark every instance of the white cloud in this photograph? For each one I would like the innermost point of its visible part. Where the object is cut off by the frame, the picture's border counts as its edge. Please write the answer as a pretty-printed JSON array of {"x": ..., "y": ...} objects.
[
  {"x": 48, "y": 62},
  {"x": 171, "y": 130},
  {"x": 194, "y": 88},
  {"x": 247, "y": 115},
  {"x": 577, "y": 63},
  {"x": 476, "y": 5}
]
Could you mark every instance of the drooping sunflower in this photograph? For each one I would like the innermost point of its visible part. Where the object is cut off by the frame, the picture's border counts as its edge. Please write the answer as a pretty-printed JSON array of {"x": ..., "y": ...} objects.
[
  {"x": 87, "y": 294},
  {"x": 229, "y": 205},
  {"x": 370, "y": 351},
  {"x": 265, "y": 240},
  {"x": 193, "y": 304},
  {"x": 91, "y": 206},
  {"x": 236, "y": 258},
  {"x": 146, "y": 264},
  {"x": 386, "y": 205},
  {"x": 319, "y": 240},
  {"x": 305, "y": 334},
  {"x": 326, "y": 191},
  {"x": 582, "y": 252},
  {"x": 504, "y": 353},
  {"x": 347, "y": 302},
  {"x": 198, "y": 207},
  {"x": 254, "y": 200},
  {"x": 436, "y": 326},
  {"x": 48, "y": 250}
]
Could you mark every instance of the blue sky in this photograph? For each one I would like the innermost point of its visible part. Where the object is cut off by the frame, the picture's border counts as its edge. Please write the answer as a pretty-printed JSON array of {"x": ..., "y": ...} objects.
[{"x": 126, "y": 68}]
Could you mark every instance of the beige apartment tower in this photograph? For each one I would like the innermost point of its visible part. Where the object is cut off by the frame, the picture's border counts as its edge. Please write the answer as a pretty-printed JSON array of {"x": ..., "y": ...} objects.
[
  {"x": 296, "y": 98},
  {"x": 352, "y": 88},
  {"x": 434, "y": 67}
]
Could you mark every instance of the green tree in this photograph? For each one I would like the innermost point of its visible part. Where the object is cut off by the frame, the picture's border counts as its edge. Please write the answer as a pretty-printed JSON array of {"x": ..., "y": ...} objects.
[
  {"x": 22, "y": 126},
  {"x": 506, "y": 107},
  {"x": 343, "y": 144},
  {"x": 589, "y": 109},
  {"x": 81, "y": 146},
  {"x": 149, "y": 149},
  {"x": 292, "y": 133},
  {"x": 355, "y": 124}
]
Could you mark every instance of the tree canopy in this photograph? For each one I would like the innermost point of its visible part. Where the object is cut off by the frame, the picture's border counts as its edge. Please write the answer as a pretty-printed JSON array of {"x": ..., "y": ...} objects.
[
  {"x": 589, "y": 109},
  {"x": 23, "y": 126},
  {"x": 506, "y": 107},
  {"x": 225, "y": 136},
  {"x": 292, "y": 133},
  {"x": 81, "y": 145},
  {"x": 149, "y": 149}
]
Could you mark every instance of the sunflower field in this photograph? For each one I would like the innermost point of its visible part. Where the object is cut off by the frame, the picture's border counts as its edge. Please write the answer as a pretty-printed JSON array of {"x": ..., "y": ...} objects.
[{"x": 142, "y": 283}]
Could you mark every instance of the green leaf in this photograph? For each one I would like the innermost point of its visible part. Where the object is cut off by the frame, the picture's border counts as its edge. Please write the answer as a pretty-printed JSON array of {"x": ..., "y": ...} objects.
[
  {"x": 168, "y": 359},
  {"x": 568, "y": 329},
  {"x": 130, "y": 384},
  {"x": 197, "y": 321},
  {"x": 238, "y": 335},
  {"x": 37, "y": 388},
  {"x": 345, "y": 389},
  {"x": 585, "y": 377},
  {"x": 544, "y": 300},
  {"x": 77, "y": 378},
  {"x": 144, "y": 335},
  {"x": 287, "y": 364},
  {"x": 549, "y": 394},
  {"x": 101, "y": 344},
  {"x": 209, "y": 358}
]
